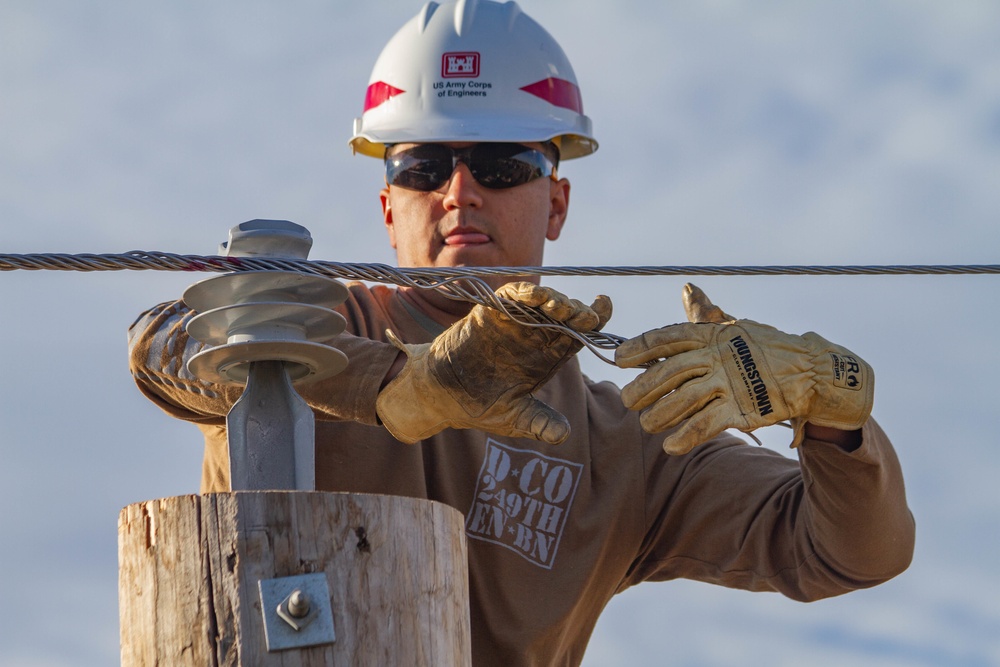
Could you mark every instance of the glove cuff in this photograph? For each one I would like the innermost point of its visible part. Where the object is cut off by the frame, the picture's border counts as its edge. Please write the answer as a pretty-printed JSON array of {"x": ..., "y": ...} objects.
[
  {"x": 406, "y": 417},
  {"x": 845, "y": 386}
]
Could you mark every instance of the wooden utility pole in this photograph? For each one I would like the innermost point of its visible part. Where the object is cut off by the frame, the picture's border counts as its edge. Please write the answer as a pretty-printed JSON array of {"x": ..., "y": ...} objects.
[
  {"x": 202, "y": 577},
  {"x": 259, "y": 577}
]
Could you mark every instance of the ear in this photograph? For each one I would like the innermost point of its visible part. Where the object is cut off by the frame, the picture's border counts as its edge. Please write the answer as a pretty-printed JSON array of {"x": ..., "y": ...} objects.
[
  {"x": 558, "y": 208},
  {"x": 387, "y": 216}
]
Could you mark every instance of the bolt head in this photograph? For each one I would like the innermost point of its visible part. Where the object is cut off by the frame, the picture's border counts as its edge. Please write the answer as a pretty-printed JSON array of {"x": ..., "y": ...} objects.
[{"x": 298, "y": 604}]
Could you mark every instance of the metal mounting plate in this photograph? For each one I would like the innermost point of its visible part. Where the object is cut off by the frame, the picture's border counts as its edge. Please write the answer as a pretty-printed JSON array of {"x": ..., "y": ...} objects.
[{"x": 317, "y": 627}]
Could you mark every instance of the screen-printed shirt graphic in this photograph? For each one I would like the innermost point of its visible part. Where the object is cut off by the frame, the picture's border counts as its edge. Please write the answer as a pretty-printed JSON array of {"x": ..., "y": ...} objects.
[{"x": 522, "y": 501}]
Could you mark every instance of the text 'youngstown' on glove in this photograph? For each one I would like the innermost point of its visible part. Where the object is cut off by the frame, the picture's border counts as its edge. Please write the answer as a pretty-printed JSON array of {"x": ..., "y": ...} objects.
[{"x": 718, "y": 372}]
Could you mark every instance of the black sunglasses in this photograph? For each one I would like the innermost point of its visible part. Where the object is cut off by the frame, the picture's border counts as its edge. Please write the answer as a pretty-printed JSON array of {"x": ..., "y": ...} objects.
[{"x": 494, "y": 165}]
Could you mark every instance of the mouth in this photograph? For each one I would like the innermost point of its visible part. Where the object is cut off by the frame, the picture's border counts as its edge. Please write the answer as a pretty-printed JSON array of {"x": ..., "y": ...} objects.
[{"x": 466, "y": 236}]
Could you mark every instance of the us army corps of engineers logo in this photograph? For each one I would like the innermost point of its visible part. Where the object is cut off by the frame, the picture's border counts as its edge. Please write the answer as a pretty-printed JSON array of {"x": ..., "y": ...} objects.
[{"x": 522, "y": 501}]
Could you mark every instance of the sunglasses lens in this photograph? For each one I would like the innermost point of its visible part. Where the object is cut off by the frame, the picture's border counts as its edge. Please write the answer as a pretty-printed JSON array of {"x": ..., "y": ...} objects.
[
  {"x": 423, "y": 168},
  {"x": 429, "y": 166},
  {"x": 500, "y": 166}
]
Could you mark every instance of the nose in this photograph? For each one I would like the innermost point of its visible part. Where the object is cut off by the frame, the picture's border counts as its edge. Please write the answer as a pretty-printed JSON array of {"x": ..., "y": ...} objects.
[{"x": 462, "y": 190}]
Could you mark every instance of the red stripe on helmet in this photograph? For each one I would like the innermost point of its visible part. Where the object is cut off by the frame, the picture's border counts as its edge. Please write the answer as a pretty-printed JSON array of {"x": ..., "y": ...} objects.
[
  {"x": 378, "y": 93},
  {"x": 560, "y": 92}
]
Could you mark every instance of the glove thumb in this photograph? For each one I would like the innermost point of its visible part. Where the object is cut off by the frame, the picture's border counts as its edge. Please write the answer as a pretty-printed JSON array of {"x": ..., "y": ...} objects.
[
  {"x": 700, "y": 309},
  {"x": 541, "y": 420}
]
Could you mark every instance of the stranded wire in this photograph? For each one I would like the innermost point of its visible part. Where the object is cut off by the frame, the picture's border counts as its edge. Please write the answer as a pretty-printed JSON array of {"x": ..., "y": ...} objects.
[{"x": 460, "y": 283}]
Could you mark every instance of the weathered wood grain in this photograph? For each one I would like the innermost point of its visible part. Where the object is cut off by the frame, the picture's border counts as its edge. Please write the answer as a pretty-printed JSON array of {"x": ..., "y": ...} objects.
[{"x": 189, "y": 568}]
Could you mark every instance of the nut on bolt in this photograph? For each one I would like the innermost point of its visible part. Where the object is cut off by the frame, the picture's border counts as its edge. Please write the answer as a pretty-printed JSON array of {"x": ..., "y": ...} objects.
[
  {"x": 298, "y": 604},
  {"x": 296, "y": 610}
]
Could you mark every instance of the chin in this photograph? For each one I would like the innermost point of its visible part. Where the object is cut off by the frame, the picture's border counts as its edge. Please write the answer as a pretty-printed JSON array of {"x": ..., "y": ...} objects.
[{"x": 483, "y": 254}]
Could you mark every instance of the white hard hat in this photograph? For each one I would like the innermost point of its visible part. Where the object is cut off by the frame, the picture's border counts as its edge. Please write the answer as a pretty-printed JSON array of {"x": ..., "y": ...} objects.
[{"x": 473, "y": 70}]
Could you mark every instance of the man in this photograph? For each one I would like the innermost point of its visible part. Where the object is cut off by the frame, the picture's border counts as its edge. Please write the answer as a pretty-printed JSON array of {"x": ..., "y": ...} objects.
[{"x": 472, "y": 105}]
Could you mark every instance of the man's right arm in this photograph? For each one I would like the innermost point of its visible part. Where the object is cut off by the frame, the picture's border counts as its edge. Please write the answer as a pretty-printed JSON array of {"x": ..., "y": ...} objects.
[
  {"x": 478, "y": 374},
  {"x": 159, "y": 348}
]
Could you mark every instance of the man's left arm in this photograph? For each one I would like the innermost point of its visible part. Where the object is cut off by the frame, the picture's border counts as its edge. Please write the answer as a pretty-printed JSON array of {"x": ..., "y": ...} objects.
[{"x": 716, "y": 372}]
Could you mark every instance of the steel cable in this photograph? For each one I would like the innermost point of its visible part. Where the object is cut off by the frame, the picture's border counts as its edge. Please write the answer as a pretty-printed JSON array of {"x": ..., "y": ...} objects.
[{"x": 464, "y": 283}]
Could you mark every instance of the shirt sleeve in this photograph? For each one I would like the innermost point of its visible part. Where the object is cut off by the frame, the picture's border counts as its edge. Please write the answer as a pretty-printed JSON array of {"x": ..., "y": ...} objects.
[{"x": 750, "y": 518}]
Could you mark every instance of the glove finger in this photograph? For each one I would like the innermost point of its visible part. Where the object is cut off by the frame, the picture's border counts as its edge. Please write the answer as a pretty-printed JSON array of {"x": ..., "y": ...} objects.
[
  {"x": 663, "y": 343},
  {"x": 666, "y": 376},
  {"x": 523, "y": 292},
  {"x": 571, "y": 312},
  {"x": 603, "y": 307},
  {"x": 553, "y": 303},
  {"x": 676, "y": 407},
  {"x": 699, "y": 308},
  {"x": 536, "y": 296},
  {"x": 699, "y": 429},
  {"x": 588, "y": 318}
]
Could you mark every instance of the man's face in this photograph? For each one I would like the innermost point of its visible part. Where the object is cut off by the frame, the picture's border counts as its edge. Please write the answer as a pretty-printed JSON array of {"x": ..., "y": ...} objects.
[{"x": 463, "y": 223}]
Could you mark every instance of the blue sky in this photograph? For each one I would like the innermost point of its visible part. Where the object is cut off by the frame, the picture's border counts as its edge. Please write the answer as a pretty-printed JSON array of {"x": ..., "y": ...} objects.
[{"x": 731, "y": 132}]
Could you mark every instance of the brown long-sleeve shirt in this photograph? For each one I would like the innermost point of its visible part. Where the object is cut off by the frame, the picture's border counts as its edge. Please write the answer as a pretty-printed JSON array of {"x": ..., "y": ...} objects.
[{"x": 555, "y": 531}]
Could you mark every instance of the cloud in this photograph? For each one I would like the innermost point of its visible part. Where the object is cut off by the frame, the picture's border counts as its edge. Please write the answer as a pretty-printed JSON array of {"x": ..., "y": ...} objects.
[{"x": 731, "y": 133}]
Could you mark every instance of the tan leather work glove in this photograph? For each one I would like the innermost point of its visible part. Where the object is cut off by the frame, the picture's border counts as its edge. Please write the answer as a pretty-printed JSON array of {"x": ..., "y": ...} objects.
[
  {"x": 481, "y": 371},
  {"x": 719, "y": 372}
]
